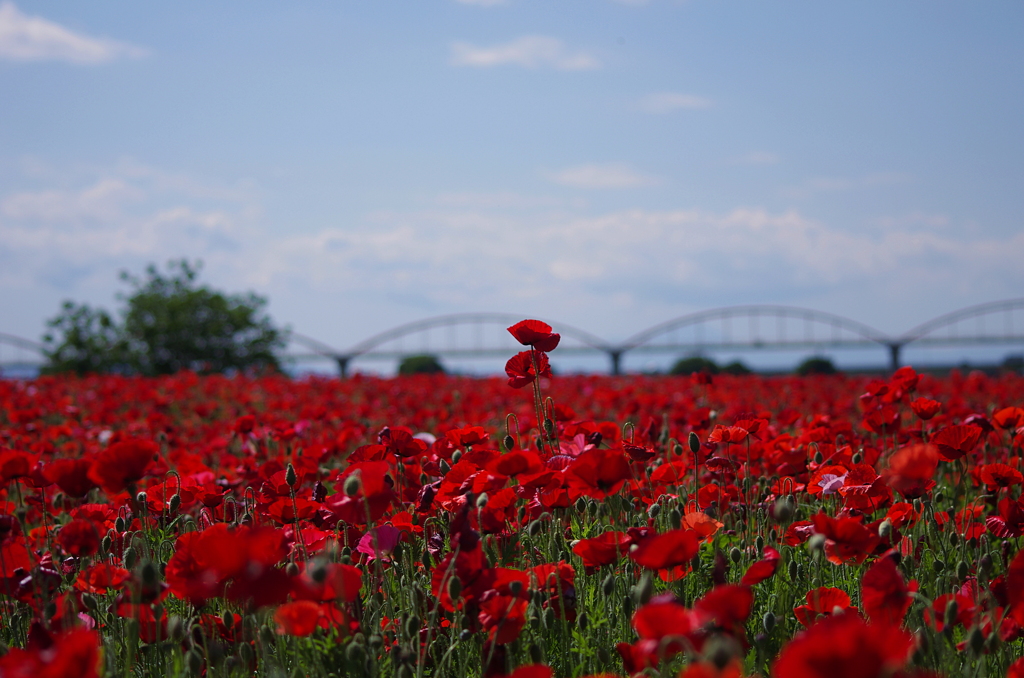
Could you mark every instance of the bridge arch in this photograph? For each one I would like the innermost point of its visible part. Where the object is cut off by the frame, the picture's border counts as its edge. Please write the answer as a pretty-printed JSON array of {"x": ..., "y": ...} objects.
[
  {"x": 813, "y": 329},
  {"x": 21, "y": 345},
  {"x": 1010, "y": 309},
  {"x": 583, "y": 340}
]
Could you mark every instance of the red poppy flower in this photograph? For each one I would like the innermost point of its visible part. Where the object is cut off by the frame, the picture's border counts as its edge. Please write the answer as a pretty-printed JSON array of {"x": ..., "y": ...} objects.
[
  {"x": 727, "y": 434},
  {"x": 597, "y": 473},
  {"x": 848, "y": 540},
  {"x": 734, "y": 669},
  {"x": 71, "y": 476},
  {"x": 665, "y": 625},
  {"x": 1010, "y": 521},
  {"x": 300, "y": 618},
  {"x": 884, "y": 594},
  {"x": 956, "y": 442},
  {"x": 822, "y": 602},
  {"x": 75, "y": 654},
  {"x": 997, "y": 476},
  {"x": 101, "y": 577},
  {"x": 515, "y": 462},
  {"x": 532, "y": 671},
  {"x": 123, "y": 463},
  {"x": 245, "y": 424},
  {"x": 675, "y": 547},
  {"x": 911, "y": 470},
  {"x": 535, "y": 333},
  {"x": 1009, "y": 418},
  {"x": 925, "y": 408},
  {"x": 375, "y": 490},
  {"x": 79, "y": 538},
  {"x": 502, "y": 616},
  {"x": 519, "y": 368},
  {"x": 400, "y": 441},
  {"x": 844, "y": 646},
  {"x": 604, "y": 549},
  {"x": 762, "y": 569},
  {"x": 728, "y": 607},
  {"x": 14, "y": 465}
]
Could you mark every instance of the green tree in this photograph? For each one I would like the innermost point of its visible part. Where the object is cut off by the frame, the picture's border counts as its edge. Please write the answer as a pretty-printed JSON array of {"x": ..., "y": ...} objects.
[
  {"x": 736, "y": 367},
  {"x": 693, "y": 364},
  {"x": 420, "y": 364},
  {"x": 170, "y": 323},
  {"x": 816, "y": 365},
  {"x": 91, "y": 341}
]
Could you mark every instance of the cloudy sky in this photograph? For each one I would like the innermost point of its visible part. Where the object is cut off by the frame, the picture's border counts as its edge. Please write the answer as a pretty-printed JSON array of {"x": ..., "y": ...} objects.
[{"x": 607, "y": 164}]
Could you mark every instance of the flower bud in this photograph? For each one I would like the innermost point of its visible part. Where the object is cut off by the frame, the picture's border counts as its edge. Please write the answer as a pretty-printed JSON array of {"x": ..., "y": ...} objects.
[
  {"x": 291, "y": 477},
  {"x": 454, "y": 588},
  {"x": 675, "y": 519},
  {"x": 694, "y": 442}
]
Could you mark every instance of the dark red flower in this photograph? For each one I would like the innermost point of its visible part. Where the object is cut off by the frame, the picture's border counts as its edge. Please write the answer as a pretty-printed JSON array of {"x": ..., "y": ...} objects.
[
  {"x": 75, "y": 654},
  {"x": 727, "y": 434},
  {"x": 884, "y": 594},
  {"x": 79, "y": 538},
  {"x": 848, "y": 539},
  {"x": 300, "y": 618},
  {"x": 844, "y": 646},
  {"x": 822, "y": 602},
  {"x": 123, "y": 463},
  {"x": 14, "y": 465},
  {"x": 956, "y": 442},
  {"x": 762, "y": 569},
  {"x": 911, "y": 470},
  {"x": 597, "y": 473},
  {"x": 604, "y": 549},
  {"x": 71, "y": 476},
  {"x": 925, "y": 408},
  {"x": 728, "y": 607},
  {"x": 675, "y": 547},
  {"x": 996, "y": 476},
  {"x": 519, "y": 368},
  {"x": 1009, "y": 418},
  {"x": 535, "y": 333}
]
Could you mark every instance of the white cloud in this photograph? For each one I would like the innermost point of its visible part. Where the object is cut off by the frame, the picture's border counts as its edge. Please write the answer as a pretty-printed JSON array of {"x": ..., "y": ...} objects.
[
  {"x": 667, "y": 102},
  {"x": 597, "y": 176},
  {"x": 505, "y": 252},
  {"x": 33, "y": 38},
  {"x": 530, "y": 51}
]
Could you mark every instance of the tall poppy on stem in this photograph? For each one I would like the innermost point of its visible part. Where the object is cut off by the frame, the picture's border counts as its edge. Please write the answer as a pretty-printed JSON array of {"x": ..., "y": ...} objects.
[{"x": 525, "y": 367}]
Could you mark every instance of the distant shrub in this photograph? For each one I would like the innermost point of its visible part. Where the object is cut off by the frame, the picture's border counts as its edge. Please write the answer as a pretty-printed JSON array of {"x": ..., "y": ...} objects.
[
  {"x": 816, "y": 365},
  {"x": 420, "y": 364},
  {"x": 736, "y": 367},
  {"x": 694, "y": 364}
]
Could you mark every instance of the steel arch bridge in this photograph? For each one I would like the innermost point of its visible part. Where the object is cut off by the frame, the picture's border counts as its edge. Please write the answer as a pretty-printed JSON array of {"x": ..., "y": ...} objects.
[
  {"x": 19, "y": 353},
  {"x": 473, "y": 335}
]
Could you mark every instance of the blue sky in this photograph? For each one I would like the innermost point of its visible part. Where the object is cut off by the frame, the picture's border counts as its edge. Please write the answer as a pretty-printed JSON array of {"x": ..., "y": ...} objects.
[{"x": 607, "y": 164}]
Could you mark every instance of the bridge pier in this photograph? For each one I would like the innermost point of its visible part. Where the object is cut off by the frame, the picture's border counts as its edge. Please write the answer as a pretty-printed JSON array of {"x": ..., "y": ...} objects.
[
  {"x": 894, "y": 355},
  {"x": 342, "y": 361},
  {"x": 615, "y": 356}
]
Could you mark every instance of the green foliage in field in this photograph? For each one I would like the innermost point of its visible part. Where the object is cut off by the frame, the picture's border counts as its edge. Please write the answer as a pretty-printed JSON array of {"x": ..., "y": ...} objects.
[{"x": 169, "y": 323}]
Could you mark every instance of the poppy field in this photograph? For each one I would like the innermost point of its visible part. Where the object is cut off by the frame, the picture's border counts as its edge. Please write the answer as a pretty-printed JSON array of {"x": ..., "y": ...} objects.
[{"x": 534, "y": 525}]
